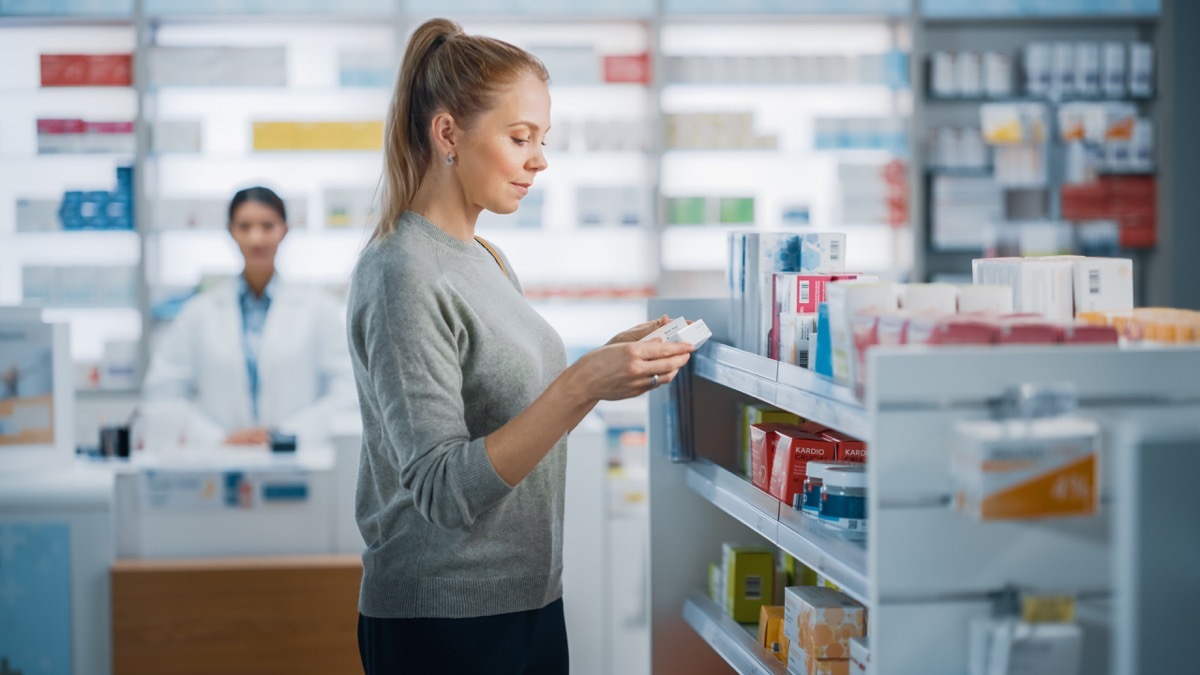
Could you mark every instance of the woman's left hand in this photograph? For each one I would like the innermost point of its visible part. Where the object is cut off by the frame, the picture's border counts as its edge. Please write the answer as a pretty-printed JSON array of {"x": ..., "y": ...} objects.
[{"x": 640, "y": 331}]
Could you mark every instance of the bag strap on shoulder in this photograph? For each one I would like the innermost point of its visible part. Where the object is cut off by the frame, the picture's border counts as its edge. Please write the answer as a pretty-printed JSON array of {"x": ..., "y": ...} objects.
[{"x": 495, "y": 255}]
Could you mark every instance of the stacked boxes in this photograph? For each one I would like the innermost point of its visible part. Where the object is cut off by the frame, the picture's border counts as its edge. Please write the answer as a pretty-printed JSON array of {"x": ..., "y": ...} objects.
[
  {"x": 818, "y": 624},
  {"x": 81, "y": 210},
  {"x": 759, "y": 413},
  {"x": 74, "y": 135}
]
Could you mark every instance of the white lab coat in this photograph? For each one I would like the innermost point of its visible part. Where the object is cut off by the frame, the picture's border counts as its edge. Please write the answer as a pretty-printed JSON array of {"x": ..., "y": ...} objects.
[{"x": 303, "y": 365}]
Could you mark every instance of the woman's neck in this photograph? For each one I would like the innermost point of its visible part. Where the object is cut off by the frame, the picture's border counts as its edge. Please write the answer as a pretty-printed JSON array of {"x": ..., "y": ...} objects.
[
  {"x": 441, "y": 201},
  {"x": 258, "y": 278}
]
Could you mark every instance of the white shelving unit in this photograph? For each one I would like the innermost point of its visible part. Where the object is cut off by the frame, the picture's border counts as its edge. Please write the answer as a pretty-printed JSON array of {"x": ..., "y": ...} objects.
[{"x": 924, "y": 570}]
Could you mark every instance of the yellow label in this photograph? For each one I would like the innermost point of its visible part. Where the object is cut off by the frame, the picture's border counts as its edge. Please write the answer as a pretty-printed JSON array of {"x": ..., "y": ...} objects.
[{"x": 1048, "y": 609}]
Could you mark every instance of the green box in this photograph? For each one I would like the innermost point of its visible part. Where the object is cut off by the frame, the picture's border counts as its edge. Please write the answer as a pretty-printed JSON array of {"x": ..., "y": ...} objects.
[
  {"x": 749, "y": 581},
  {"x": 687, "y": 211},
  {"x": 736, "y": 210}
]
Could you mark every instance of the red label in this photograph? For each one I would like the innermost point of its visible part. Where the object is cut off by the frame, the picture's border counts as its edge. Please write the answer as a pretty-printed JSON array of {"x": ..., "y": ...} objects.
[{"x": 627, "y": 68}]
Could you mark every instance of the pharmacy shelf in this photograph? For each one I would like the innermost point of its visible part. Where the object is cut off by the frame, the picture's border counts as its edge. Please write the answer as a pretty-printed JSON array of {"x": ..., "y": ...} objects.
[
  {"x": 797, "y": 390},
  {"x": 842, "y": 561},
  {"x": 742, "y": 17},
  {"x": 32, "y": 21},
  {"x": 1040, "y": 20},
  {"x": 728, "y": 638},
  {"x": 269, "y": 19},
  {"x": 977, "y": 100}
]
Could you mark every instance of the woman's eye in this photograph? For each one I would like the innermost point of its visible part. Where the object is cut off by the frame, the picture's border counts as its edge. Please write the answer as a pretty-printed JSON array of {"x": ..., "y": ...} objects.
[{"x": 519, "y": 141}]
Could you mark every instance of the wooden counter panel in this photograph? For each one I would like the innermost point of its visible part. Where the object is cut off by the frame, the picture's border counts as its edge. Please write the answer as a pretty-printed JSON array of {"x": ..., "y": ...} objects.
[{"x": 242, "y": 615}]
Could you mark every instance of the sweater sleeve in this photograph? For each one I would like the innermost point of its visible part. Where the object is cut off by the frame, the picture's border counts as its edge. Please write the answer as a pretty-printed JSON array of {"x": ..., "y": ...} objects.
[{"x": 410, "y": 338}]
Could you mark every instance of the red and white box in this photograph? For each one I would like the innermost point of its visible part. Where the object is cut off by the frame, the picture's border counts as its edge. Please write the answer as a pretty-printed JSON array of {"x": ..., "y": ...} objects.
[
  {"x": 763, "y": 439},
  {"x": 794, "y": 449},
  {"x": 1027, "y": 330},
  {"x": 950, "y": 330},
  {"x": 849, "y": 448}
]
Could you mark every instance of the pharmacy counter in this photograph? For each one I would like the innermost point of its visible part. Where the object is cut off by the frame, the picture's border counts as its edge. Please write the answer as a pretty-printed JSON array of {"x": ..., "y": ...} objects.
[
  {"x": 227, "y": 502},
  {"x": 56, "y": 548}
]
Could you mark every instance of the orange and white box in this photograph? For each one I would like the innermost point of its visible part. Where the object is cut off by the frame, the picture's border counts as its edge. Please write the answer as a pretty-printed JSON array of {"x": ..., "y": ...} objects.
[
  {"x": 822, "y": 621},
  {"x": 1026, "y": 469}
]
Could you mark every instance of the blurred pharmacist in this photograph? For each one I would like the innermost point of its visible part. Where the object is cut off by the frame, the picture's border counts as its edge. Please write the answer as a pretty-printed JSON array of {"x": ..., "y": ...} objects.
[
  {"x": 465, "y": 395},
  {"x": 254, "y": 355}
]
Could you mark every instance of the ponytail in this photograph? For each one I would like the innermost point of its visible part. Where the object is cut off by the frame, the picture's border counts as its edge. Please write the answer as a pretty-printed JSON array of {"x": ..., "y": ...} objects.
[{"x": 443, "y": 69}]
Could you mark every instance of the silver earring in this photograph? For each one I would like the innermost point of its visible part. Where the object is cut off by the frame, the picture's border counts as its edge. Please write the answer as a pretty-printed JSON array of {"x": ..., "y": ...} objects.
[{"x": 449, "y": 160}]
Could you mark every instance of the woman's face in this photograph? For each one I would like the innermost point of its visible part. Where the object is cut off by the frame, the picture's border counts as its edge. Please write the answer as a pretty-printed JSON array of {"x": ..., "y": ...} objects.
[
  {"x": 499, "y": 156},
  {"x": 258, "y": 230}
]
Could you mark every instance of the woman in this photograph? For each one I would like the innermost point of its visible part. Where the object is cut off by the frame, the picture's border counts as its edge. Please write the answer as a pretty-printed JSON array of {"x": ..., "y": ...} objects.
[
  {"x": 465, "y": 398},
  {"x": 257, "y": 354}
]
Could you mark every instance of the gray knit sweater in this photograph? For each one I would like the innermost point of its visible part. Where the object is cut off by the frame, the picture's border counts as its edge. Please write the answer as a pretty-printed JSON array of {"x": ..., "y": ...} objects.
[{"x": 446, "y": 350}]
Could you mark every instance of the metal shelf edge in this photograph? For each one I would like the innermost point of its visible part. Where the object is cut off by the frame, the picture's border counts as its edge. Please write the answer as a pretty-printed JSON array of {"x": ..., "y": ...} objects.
[
  {"x": 728, "y": 638},
  {"x": 843, "y": 562}
]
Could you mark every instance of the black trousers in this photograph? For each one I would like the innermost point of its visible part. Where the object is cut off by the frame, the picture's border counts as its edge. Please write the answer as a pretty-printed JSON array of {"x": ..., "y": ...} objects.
[{"x": 520, "y": 643}]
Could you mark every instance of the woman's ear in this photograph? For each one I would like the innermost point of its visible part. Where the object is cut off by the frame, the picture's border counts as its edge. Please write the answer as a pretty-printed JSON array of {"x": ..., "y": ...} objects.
[{"x": 445, "y": 134}]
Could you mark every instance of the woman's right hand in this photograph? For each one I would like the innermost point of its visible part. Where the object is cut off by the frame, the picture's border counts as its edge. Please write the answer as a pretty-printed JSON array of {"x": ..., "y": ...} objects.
[{"x": 627, "y": 369}]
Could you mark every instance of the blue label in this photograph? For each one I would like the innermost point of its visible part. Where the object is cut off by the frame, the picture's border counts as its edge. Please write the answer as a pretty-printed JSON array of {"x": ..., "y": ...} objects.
[{"x": 836, "y": 507}]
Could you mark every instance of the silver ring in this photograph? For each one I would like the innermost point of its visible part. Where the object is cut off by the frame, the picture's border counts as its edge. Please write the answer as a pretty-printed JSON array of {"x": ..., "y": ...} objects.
[{"x": 653, "y": 381}]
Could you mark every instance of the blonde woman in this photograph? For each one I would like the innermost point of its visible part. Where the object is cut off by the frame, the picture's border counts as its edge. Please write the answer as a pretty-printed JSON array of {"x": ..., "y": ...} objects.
[{"x": 465, "y": 395}]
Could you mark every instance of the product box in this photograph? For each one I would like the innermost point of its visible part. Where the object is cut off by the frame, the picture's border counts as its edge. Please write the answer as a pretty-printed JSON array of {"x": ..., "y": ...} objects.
[
  {"x": 986, "y": 299},
  {"x": 218, "y": 66},
  {"x": 1103, "y": 284},
  {"x": 952, "y": 330},
  {"x": 796, "y": 332},
  {"x": 800, "y": 292},
  {"x": 800, "y": 662},
  {"x": 759, "y": 413},
  {"x": 1088, "y": 334},
  {"x": 936, "y": 298},
  {"x": 891, "y": 328},
  {"x": 849, "y": 448},
  {"x": 846, "y": 299},
  {"x": 794, "y": 449},
  {"x": 1003, "y": 646},
  {"x": 716, "y": 584},
  {"x": 1027, "y": 330},
  {"x": 86, "y": 70},
  {"x": 176, "y": 136},
  {"x": 821, "y": 252},
  {"x": 770, "y": 631},
  {"x": 822, "y": 620},
  {"x": 1042, "y": 286},
  {"x": 754, "y": 257},
  {"x": 749, "y": 575},
  {"x": 1024, "y": 469},
  {"x": 860, "y": 656},
  {"x": 763, "y": 442}
]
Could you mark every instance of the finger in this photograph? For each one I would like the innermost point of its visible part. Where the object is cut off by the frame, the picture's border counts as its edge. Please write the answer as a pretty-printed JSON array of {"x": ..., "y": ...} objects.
[
  {"x": 659, "y": 350},
  {"x": 663, "y": 366}
]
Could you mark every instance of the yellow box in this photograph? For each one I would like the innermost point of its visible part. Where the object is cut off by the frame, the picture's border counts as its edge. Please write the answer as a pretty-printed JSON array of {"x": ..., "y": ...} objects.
[
  {"x": 770, "y": 630},
  {"x": 318, "y": 135}
]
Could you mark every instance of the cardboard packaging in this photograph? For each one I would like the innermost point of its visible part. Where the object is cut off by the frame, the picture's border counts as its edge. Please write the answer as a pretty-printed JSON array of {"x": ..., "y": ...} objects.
[
  {"x": 760, "y": 413},
  {"x": 1025, "y": 469},
  {"x": 749, "y": 579},
  {"x": 953, "y": 330},
  {"x": 763, "y": 443},
  {"x": 770, "y": 631},
  {"x": 846, "y": 299},
  {"x": 849, "y": 448},
  {"x": 800, "y": 662},
  {"x": 366, "y": 135},
  {"x": 821, "y": 253},
  {"x": 1042, "y": 286},
  {"x": 936, "y": 298},
  {"x": 754, "y": 258},
  {"x": 820, "y": 622},
  {"x": 796, "y": 332},
  {"x": 794, "y": 449},
  {"x": 1103, "y": 284},
  {"x": 1027, "y": 330},
  {"x": 988, "y": 299}
]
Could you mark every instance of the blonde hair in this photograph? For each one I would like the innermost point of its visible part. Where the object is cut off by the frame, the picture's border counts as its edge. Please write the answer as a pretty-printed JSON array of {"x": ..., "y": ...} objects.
[{"x": 443, "y": 69}]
